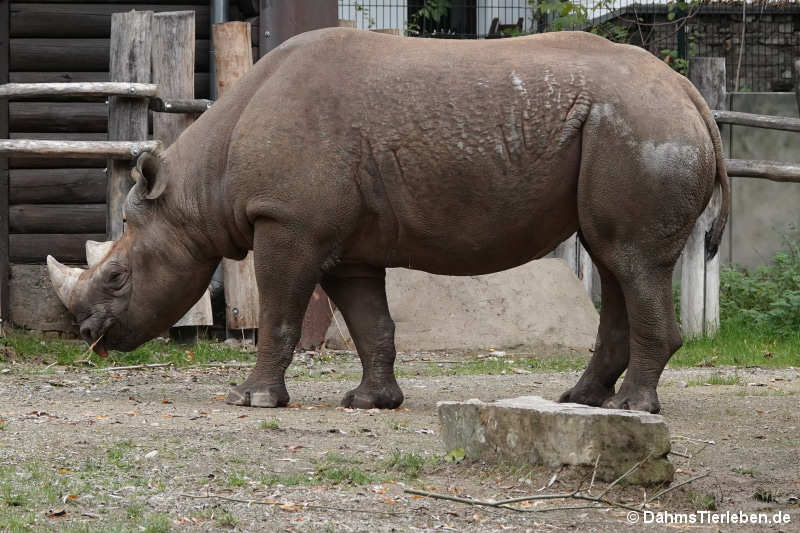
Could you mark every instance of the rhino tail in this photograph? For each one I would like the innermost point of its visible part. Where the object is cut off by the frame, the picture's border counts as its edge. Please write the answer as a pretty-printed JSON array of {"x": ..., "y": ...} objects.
[{"x": 714, "y": 234}]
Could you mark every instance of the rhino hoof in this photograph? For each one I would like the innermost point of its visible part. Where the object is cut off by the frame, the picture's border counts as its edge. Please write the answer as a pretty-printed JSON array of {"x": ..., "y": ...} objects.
[
  {"x": 643, "y": 400},
  {"x": 594, "y": 396},
  {"x": 384, "y": 399},
  {"x": 258, "y": 397}
]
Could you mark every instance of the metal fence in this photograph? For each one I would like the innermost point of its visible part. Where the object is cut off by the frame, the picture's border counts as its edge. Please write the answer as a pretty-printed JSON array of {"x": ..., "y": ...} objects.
[{"x": 759, "y": 39}]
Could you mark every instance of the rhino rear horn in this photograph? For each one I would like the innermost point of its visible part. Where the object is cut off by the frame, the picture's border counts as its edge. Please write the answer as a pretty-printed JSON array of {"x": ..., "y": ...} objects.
[
  {"x": 64, "y": 279},
  {"x": 96, "y": 251}
]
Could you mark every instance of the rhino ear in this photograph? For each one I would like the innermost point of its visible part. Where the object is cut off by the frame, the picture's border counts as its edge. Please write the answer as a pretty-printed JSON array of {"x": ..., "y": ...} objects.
[{"x": 146, "y": 173}]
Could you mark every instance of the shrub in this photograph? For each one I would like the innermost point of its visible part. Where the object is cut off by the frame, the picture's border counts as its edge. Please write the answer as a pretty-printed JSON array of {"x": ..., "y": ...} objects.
[{"x": 768, "y": 296}]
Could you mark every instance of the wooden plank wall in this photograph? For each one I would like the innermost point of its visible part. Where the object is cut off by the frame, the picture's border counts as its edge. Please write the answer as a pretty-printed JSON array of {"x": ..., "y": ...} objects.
[{"x": 58, "y": 204}]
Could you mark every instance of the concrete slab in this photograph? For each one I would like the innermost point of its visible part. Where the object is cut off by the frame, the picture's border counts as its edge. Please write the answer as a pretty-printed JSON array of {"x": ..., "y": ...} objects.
[
  {"x": 540, "y": 304},
  {"x": 534, "y": 431}
]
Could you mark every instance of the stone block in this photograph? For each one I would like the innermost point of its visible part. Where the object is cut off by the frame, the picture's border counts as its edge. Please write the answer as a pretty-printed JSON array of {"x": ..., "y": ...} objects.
[{"x": 533, "y": 431}]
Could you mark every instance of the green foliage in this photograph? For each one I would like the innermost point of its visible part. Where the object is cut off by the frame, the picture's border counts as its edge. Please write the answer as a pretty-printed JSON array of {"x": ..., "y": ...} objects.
[
  {"x": 432, "y": 10},
  {"x": 560, "y": 14},
  {"x": 767, "y": 297},
  {"x": 678, "y": 64}
]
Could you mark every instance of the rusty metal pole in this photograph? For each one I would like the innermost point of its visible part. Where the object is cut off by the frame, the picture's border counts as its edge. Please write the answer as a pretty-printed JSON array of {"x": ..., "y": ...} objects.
[{"x": 281, "y": 20}]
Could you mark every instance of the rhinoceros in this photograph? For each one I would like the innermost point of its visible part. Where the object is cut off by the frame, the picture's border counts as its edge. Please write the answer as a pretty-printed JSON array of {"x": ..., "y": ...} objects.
[{"x": 344, "y": 152}]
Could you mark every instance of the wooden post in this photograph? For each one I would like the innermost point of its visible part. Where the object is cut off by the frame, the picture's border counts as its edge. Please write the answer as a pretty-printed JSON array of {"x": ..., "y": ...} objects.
[
  {"x": 131, "y": 42},
  {"x": 5, "y": 191},
  {"x": 233, "y": 56},
  {"x": 173, "y": 72},
  {"x": 578, "y": 260},
  {"x": 700, "y": 278},
  {"x": 797, "y": 83}
]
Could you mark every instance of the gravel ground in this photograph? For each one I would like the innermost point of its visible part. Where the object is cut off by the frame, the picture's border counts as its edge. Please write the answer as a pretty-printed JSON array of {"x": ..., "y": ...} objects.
[{"x": 159, "y": 450}]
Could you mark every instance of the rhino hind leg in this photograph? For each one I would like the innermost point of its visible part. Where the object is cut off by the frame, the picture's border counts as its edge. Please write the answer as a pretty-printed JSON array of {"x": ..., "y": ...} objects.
[
  {"x": 360, "y": 293},
  {"x": 287, "y": 268},
  {"x": 654, "y": 337},
  {"x": 611, "y": 351}
]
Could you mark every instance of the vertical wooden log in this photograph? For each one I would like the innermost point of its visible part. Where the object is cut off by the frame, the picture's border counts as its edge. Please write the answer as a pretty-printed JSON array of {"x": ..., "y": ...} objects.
[
  {"x": 797, "y": 83},
  {"x": 5, "y": 267},
  {"x": 131, "y": 42},
  {"x": 173, "y": 71},
  {"x": 700, "y": 278},
  {"x": 233, "y": 57},
  {"x": 282, "y": 19}
]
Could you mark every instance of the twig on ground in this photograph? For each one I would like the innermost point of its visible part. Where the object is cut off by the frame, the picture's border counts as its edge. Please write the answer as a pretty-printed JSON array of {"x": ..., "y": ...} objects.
[
  {"x": 84, "y": 361},
  {"x": 594, "y": 472},
  {"x": 208, "y": 496},
  {"x": 690, "y": 439},
  {"x": 687, "y": 456},
  {"x": 623, "y": 476},
  {"x": 670, "y": 489},
  {"x": 600, "y": 502},
  {"x": 137, "y": 367}
]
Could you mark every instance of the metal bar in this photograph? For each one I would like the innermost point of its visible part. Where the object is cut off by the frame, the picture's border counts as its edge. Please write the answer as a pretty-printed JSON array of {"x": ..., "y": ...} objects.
[
  {"x": 757, "y": 121},
  {"x": 20, "y": 91},
  {"x": 180, "y": 105},
  {"x": 125, "y": 150},
  {"x": 768, "y": 170}
]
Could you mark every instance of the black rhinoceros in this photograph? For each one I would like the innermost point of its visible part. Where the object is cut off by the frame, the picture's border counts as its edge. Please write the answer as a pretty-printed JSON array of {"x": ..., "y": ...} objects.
[{"x": 345, "y": 152}]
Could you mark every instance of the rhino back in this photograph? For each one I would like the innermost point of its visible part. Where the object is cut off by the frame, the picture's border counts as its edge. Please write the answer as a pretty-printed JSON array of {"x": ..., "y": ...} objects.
[{"x": 404, "y": 144}]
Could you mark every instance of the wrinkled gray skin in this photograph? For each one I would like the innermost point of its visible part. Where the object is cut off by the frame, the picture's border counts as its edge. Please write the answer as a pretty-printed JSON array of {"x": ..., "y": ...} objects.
[{"x": 345, "y": 152}]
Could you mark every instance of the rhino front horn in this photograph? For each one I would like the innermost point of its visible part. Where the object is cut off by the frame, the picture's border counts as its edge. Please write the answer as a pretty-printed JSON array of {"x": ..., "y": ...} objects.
[{"x": 64, "y": 279}]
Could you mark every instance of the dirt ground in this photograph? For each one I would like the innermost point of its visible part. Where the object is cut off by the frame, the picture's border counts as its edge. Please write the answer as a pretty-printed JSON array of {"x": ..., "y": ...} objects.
[{"x": 158, "y": 450}]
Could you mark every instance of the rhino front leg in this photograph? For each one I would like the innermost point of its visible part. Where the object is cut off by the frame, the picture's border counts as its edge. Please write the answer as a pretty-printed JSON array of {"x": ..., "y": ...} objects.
[
  {"x": 287, "y": 267},
  {"x": 360, "y": 293}
]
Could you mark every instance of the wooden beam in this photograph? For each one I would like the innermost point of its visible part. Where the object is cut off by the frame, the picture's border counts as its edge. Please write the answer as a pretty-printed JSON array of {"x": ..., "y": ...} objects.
[
  {"x": 233, "y": 56},
  {"x": 57, "y": 186},
  {"x": 18, "y": 162},
  {"x": 131, "y": 45},
  {"x": 34, "y": 248},
  {"x": 82, "y": 20},
  {"x": 5, "y": 260},
  {"x": 200, "y": 79},
  {"x": 173, "y": 71},
  {"x": 58, "y": 117},
  {"x": 700, "y": 277},
  {"x": 738, "y": 118},
  {"x": 768, "y": 170},
  {"x": 117, "y": 150},
  {"x": 55, "y": 218},
  {"x": 19, "y": 91},
  {"x": 797, "y": 83},
  {"x": 87, "y": 55}
]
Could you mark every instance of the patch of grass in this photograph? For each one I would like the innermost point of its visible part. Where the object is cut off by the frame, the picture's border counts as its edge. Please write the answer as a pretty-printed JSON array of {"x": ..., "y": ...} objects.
[
  {"x": 271, "y": 423},
  {"x": 227, "y": 520},
  {"x": 237, "y": 480},
  {"x": 716, "y": 380},
  {"x": 497, "y": 366},
  {"x": 398, "y": 425},
  {"x": 32, "y": 348},
  {"x": 135, "y": 511},
  {"x": 291, "y": 479},
  {"x": 157, "y": 523},
  {"x": 117, "y": 451},
  {"x": 704, "y": 502},
  {"x": 763, "y": 495},
  {"x": 752, "y": 472},
  {"x": 410, "y": 464},
  {"x": 739, "y": 344}
]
